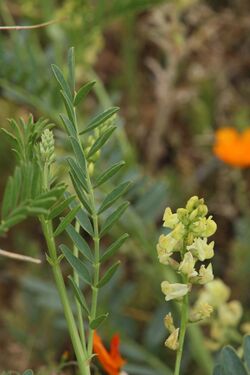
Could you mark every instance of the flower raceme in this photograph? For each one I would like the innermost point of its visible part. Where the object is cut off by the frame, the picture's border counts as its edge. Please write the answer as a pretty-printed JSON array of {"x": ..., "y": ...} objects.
[
  {"x": 112, "y": 361},
  {"x": 186, "y": 245},
  {"x": 233, "y": 147}
]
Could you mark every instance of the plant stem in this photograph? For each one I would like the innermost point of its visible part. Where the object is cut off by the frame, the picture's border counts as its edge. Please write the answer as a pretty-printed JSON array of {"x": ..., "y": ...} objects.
[
  {"x": 78, "y": 306},
  {"x": 184, "y": 321},
  {"x": 80, "y": 355}
]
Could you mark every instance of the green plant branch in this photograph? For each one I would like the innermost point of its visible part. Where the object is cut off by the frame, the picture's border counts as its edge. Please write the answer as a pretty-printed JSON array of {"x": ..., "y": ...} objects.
[{"x": 55, "y": 264}]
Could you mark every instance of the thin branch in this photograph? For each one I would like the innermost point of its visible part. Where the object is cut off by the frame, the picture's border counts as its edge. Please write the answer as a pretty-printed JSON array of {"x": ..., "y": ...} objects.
[
  {"x": 37, "y": 26},
  {"x": 16, "y": 256}
]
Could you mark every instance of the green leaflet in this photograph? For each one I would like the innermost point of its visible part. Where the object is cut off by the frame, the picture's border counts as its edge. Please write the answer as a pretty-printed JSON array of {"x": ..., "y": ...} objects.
[
  {"x": 69, "y": 107},
  {"x": 106, "y": 175},
  {"x": 66, "y": 221},
  {"x": 80, "y": 193},
  {"x": 77, "y": 264},
  {"x": 101, "y": 141},
  {"x": 80, "y": 157},
  {"x": 77, "y": 173},
  {"x": 78, "y": 294},
  {"x": 114, "y": 247},
  {"x": 84, "y": 221},
  {"x": 229, "y": 363},
  {"x": 95, "y": 323},
  {"x": 113, "y": 218},
  {"x": 61, "y": 80},
  {"x": 108, "y": 274},
  {"x": 113, "y": 196},
  {"x": 69, "y": 126},
  {"x": 100, "y": 119},
  {"x": 58, "y": 208},
  {"x": 80, "y": 243},
  {"x": 83, "y": 92}
]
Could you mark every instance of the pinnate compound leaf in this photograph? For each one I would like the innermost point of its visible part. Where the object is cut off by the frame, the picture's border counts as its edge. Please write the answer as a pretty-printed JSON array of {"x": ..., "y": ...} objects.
[
  {"x": 100, "y": 119},
  {"x": 83, "y": 92},
  {"x": 246, "y": 346},
  {"x": 66, "y": 220},
  {"x": 77, "y": 264},
  {"x": 108, "y": 275},
  {"x": 113, "y": 196},
  {"x": 114, "y": 247},
  {"x": 110, "y": 172},
  {"x": 78, "y": 294},
  {"x": 113, "y": 218},
  {"x": 80, "y": 242},
  {"x": 61, "y": 80},
  {"x": 95, "y": 323},
  {"x": 101, "y": 141}
]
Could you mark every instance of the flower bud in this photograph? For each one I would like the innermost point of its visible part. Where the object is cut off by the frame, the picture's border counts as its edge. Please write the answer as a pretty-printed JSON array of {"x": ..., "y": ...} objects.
[
  {"x": 204, "y": 227},
  {"x": 172, "y": 341},
  {"x": 47, "y": 146},
  {"x": 192, "y": 203},
  {"x": 169, "y": 323},
  {"x": 174, "y": 291}
]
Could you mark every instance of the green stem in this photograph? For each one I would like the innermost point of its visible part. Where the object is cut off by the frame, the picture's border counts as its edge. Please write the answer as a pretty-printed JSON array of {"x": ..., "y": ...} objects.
[
  {"x": 78, "y": 306},
  {"x": 80, "y": 355},
  {"x": 184, "y": 321},
  {"x": 96, "y": 264}
]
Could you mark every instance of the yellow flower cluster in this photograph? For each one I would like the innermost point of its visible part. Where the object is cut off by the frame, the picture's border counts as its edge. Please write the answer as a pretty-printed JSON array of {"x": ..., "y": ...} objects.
[{"x": 185, "y": 245}]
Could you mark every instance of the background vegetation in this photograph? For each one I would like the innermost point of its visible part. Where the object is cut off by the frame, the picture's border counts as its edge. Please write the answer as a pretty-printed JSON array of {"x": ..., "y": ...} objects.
[{"x": 178, "y": 70}]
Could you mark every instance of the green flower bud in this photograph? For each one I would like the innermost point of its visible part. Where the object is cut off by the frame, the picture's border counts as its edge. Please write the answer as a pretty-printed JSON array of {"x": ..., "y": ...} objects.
[{"x": 47, "y": 147}]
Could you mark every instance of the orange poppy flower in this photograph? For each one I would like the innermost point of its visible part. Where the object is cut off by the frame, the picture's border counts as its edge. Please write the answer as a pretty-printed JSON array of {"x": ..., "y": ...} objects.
[
  {"x": 110, "y": 361},
  {"x": 233, "y": 147}
]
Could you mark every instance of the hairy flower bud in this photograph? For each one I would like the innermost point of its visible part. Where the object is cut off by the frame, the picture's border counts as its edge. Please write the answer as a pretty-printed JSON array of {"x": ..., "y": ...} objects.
[{"x": 47, "y": 146}]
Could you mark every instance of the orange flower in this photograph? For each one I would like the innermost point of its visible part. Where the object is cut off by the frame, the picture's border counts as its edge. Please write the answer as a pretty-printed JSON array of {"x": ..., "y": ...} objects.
[
  {"x": 111, "y": 361},
  {"x": 233, "y": 147}
]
